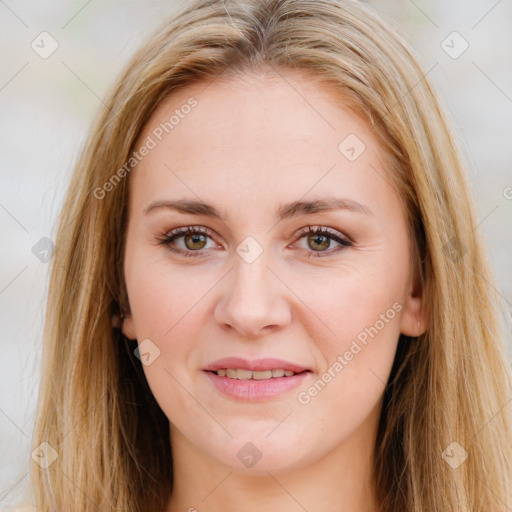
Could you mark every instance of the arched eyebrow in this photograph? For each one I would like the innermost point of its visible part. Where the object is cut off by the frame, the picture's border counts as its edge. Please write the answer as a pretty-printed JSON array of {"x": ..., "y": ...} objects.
[{"x": 294, "y": 209}]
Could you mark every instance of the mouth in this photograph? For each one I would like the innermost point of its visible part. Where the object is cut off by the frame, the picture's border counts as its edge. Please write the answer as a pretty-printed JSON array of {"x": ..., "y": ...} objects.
[
  {"x": 243, "y": 374},
  {"x": 244, "y": 385}
]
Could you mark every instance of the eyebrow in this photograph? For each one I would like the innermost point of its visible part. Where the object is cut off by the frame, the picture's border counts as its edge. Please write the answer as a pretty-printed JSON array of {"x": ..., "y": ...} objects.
[{"x": 294, "y": 209}]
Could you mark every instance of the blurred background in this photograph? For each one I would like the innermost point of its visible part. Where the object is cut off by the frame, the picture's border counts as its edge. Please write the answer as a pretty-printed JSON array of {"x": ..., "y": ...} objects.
[{"x": 59, "y": 58}]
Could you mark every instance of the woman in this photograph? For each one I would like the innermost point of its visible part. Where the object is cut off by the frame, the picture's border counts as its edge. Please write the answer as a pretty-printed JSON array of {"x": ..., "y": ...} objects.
[{"x": 268, "y": 291}]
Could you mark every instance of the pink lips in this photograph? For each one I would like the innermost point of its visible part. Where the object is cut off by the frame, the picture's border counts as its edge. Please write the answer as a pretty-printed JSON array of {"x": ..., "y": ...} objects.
[
  {"x": 255, "y": 364},
  {"x": 256, "y": 390}
]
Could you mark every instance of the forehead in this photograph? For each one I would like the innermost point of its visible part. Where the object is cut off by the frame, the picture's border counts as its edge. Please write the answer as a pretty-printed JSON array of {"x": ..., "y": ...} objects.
[{"x": 257, "y": 134}]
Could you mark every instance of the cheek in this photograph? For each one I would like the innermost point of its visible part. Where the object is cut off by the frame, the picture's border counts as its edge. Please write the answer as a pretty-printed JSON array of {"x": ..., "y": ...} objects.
[
  {"x": 162, "y": 296},
  {"x": 361, "y": 305},
  {"x": 349, "y": 300},
  {"x": 357, "y": 356},
  {"x": 165, "y": 306}
]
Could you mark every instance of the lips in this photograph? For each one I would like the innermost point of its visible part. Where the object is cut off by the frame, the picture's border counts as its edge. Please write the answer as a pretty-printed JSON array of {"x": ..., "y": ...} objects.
[
  {"x": 255, "y": 380},
  {"x": 256, "y": 365}
]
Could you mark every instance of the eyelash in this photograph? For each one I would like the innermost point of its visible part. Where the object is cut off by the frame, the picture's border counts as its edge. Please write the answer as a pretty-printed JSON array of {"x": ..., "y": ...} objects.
[{"x": 168, "y": 238}]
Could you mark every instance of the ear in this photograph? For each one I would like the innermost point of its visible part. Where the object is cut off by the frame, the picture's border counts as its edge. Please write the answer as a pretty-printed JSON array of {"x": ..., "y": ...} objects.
[
  {"x": 127, "y": 323},
  {"x": 128, "y": 327},
  {"x": 413, "y": 321}
]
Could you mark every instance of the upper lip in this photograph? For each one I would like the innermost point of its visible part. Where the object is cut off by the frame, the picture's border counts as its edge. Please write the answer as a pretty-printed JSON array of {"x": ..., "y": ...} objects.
[{"x": 267, "y": 363}]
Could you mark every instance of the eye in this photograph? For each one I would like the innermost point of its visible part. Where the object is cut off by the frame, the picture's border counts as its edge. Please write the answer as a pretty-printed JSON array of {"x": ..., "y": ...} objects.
[
  {"x": 193, "y": 238},
  {"x": 320, "y": 239}
]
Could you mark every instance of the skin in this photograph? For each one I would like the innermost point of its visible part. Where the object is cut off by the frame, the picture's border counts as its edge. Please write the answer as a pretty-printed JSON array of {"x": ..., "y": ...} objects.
[{"x": 250, "y": 145}]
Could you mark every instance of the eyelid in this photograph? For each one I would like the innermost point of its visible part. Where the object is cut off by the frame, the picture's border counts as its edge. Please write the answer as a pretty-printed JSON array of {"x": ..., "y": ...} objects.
[
  {"x": 191, "y": 229},
  {"x": 166, "y": 237},
  {"x": 324, "y": 230}
]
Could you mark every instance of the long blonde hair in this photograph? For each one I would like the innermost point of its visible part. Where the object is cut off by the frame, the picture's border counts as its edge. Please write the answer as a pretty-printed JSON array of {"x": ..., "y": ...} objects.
[{"x": 450, "y": 385}]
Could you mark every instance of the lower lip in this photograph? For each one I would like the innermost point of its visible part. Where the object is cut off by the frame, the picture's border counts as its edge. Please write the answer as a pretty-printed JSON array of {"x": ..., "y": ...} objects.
[{"x": 256, "y": 390}]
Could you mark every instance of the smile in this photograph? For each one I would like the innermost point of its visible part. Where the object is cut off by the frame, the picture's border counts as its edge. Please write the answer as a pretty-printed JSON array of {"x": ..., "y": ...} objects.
[{"x": 242, "y": 374}]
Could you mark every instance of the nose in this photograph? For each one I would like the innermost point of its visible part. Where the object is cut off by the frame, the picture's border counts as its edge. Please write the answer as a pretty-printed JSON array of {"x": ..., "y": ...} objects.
[{"x": 253, "y": 300}]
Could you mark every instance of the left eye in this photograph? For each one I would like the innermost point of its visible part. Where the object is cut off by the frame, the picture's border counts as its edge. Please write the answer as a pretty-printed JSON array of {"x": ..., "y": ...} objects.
[
  {"x": 196, "y": 238},
  {"x": 320, "y": 239}
]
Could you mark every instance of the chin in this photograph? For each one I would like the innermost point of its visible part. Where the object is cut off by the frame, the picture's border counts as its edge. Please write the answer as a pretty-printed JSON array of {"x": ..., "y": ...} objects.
[{"x": 260, "y": 456}]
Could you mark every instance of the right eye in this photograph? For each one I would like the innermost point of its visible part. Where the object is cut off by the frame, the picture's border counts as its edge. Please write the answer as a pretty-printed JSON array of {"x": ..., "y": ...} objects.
[{"x": 194, "y": 239}]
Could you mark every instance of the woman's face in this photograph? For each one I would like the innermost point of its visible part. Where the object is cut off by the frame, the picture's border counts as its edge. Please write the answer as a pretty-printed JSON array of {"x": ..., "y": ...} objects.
[{"x": 238, "y": 270}]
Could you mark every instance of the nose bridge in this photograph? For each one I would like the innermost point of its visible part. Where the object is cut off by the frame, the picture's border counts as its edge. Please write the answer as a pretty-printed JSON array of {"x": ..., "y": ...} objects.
[
  {"x": 251, "y": 299},
  {"x": 250, "y": 279}
]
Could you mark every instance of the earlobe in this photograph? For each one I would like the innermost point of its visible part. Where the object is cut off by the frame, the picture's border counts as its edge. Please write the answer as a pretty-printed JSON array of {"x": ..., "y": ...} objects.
[
  {"x": 414, "y": 322},
  {"x": 128, "y": 327},
  {"x": 411, "y": 324}
]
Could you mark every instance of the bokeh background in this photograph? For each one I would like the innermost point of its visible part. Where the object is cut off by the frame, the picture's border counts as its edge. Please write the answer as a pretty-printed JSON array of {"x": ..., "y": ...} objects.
[{"x": 47, "y": 103}]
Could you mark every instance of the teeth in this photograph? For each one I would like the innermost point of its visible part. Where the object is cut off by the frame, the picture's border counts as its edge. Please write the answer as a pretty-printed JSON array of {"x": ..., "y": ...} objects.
[
  {"x": 267, "y": 374},
  {"x": 238, "y": 373}
]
